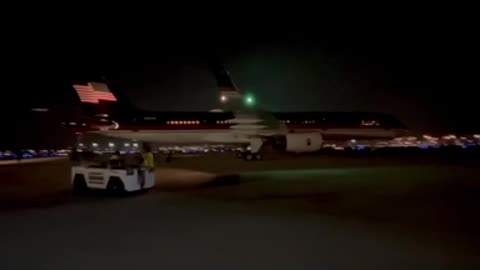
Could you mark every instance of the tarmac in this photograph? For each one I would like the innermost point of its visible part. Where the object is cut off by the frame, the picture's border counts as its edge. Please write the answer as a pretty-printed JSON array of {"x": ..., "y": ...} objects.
[{"x": 218, "y": 212}]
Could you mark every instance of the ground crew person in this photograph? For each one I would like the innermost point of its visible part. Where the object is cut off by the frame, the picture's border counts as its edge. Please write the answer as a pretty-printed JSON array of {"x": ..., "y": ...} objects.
[
  {"x": 148, "y": 164},
  {"x": 148, "y": 160}
]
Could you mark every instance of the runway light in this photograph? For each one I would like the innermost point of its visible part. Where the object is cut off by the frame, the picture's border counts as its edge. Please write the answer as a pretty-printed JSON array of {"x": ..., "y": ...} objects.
[{"x": 223, "y": 98}]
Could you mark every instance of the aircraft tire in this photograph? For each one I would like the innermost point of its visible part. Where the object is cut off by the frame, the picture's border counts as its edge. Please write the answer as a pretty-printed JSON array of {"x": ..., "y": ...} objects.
[{"x": 252, "y": 156}]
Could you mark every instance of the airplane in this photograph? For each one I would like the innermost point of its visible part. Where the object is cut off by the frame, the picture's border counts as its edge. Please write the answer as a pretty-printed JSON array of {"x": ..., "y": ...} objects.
[{"x": 238, "y": 121}]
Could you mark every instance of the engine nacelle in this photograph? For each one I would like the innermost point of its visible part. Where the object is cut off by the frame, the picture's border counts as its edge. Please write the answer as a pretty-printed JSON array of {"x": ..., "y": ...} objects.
[{"x": 299, "y": 142}]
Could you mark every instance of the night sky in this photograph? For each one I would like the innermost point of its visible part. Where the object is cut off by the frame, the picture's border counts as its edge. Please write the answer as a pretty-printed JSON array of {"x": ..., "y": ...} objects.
[{"x": 400, "y": 66}]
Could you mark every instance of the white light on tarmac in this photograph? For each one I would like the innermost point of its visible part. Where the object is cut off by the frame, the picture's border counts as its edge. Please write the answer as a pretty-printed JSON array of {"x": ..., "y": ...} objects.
[{"x": 427, "y": 137}]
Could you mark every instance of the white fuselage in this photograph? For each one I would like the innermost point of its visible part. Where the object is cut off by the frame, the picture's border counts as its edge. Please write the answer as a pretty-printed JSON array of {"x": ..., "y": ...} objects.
[{"x": 197, "y": 136}]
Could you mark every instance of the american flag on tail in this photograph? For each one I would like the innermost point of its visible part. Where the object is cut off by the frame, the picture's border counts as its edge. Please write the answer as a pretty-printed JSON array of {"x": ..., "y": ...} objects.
[{"x": 94, "y": 92}]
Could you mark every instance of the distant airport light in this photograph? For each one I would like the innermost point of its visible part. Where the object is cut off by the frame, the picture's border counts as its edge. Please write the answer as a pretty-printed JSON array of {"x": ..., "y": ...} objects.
[
  {"x": 223, "y": 98},
  {"x": 111, "y": 144},
  {"x": 80, "y": 145},
  {"x": 449, "y": 137},
  {"x": 39, "y": 109},
  {"x": 353, "y": 141},
  {"x": 72, "y": 123},
  {"x": 135, "y": 145},
  {"x": 477, "y": 136},
  {"x": 216, "y": 110},
  {"x": 126, "y": 145},
  {"x": 94, "y": 144}
]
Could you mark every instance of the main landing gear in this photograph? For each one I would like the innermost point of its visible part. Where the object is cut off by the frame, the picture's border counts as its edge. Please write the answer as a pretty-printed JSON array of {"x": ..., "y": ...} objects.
[
  {"x": 252, "y": 151},
  {"x": 249, "y": 156}
]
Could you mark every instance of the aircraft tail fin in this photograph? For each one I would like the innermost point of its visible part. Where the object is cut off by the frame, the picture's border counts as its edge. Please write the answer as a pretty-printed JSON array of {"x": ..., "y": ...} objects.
[
  {"x": 230, "y": 97},
  {"x": 97, "y": 99},
  {"x": 223, "y": 78},
  {"x": 94, "y": 92}
]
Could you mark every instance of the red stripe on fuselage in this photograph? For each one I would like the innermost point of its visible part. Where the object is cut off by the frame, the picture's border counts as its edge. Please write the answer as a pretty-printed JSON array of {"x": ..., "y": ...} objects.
[
  {"x": 226, "y": 126},
  {"x": 359, "y": 132}
]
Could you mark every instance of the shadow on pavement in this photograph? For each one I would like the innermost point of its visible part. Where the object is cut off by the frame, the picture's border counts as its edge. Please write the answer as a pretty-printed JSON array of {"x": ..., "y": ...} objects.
[{"x": 222, "y": 180}]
